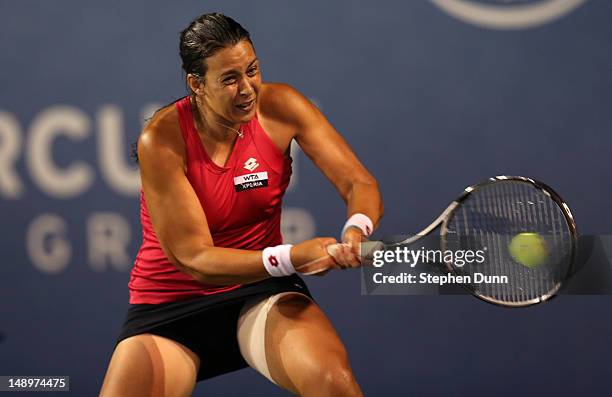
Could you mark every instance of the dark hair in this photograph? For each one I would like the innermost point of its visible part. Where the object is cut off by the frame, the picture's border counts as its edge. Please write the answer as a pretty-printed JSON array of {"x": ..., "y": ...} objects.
[{"x": 206, "y": 35}]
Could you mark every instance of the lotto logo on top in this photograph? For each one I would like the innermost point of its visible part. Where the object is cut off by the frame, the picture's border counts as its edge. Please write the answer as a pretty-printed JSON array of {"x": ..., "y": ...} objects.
[{"x": 251, "y": 164}]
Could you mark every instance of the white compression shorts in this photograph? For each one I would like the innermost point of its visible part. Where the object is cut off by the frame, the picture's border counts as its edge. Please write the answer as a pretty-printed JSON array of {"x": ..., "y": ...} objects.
[{"x": 252, "y": 330}]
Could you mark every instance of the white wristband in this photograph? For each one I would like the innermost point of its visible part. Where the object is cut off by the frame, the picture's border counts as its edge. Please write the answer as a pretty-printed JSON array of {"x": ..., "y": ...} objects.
[
  {"x": 360, "y": 221},
  {"x": 277, "y": 260}
]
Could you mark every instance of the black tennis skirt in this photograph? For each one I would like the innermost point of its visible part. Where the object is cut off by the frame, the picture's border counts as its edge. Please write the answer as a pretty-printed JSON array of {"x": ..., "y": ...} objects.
[{"x": 206, "y": 325}]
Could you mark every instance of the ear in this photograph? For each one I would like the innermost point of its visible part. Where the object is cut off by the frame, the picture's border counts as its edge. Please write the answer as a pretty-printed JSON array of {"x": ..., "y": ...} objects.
[{"x": 195, "y": 83}]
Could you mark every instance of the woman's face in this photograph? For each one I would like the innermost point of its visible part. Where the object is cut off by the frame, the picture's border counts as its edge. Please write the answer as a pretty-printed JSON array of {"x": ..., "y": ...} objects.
[{"x": 231, "y": 86}]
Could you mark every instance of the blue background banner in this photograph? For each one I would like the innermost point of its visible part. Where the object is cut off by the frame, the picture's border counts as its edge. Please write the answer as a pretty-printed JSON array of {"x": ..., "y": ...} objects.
[{"x": 430, "y": 102}]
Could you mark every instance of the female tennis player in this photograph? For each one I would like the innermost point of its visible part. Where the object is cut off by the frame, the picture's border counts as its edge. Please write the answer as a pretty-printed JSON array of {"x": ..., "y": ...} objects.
[{"x": 213, "y": 289}]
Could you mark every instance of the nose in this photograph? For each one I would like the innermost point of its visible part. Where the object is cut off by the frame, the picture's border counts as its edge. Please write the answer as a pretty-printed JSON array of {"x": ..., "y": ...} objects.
[{"x": 246, "y": 89}]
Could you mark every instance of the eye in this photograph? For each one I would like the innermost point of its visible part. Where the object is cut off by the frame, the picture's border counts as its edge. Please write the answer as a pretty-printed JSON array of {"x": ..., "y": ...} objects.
[
  {"x": 229, "y": 81},
  {"x": 252, "y": 71}
]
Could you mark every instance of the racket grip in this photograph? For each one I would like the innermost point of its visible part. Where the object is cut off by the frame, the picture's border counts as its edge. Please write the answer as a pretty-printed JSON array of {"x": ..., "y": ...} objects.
[{"x": 367, "y": 248}]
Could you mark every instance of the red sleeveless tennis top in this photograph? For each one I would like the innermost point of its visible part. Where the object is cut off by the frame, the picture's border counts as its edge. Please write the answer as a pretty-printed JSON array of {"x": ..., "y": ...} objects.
[{"x": 242, "y": 202}]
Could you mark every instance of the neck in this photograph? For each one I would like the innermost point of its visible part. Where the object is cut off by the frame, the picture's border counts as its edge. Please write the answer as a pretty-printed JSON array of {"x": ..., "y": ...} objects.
[{"x": 211, "y": 125}]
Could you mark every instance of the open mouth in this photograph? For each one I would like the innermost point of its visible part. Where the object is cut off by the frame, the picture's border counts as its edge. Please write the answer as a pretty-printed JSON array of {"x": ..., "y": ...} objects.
[{"x": 246, "y": 106}]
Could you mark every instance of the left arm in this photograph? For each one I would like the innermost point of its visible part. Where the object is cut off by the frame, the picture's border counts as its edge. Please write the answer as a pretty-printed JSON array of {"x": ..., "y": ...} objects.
[{"x": 333, "y": 156}]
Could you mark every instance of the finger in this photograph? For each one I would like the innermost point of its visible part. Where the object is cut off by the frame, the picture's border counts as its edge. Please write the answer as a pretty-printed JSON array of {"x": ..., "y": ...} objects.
[
  {"x": 326, "y": 241},
  {"x": 338, "y": 252},
  {"x": 333, "y": 249},
  {"x": 355, "y": 249},
  {"x": 352, "y": 236},
  {"x": 349, "y": 256},
  {"x": 344, "y": 256}
]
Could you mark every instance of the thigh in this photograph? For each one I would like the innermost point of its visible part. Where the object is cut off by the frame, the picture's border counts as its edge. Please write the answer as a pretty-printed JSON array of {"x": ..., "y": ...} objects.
[
  {"x": 303, "y": 351},
  {"x": 150, "y": 365}
]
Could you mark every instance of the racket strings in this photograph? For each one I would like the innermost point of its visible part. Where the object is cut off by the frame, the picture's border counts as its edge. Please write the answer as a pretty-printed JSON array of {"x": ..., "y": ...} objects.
[{"x": 488, "y": 219}]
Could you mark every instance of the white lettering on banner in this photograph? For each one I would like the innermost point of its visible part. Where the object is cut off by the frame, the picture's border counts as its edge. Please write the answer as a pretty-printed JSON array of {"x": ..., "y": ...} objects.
[
  {"x": 58, "y": 120},
  {"x": 10, "y": 146},
  {"x": 47, "y": 245},
  {"x": 297, "y": 225},
  {"x": 251, "y": 181},
  {"x": 78, "y": 177},
  {"x": 257, "y": 176},
  {"x": 113, "y": 165},
  {"x": 109, "y": 236}
]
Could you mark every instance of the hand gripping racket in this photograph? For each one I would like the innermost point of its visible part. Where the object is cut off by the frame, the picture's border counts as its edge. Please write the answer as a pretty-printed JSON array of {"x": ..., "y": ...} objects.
[{"x": 491, "y": 214}]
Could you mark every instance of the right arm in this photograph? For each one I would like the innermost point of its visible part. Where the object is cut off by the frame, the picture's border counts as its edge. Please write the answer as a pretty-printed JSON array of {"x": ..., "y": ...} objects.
[{"x": 180, "y": 222}]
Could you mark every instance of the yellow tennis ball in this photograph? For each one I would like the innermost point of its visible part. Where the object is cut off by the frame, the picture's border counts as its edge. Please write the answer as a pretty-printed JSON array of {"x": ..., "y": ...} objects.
[{"x": 528, "y": 249}]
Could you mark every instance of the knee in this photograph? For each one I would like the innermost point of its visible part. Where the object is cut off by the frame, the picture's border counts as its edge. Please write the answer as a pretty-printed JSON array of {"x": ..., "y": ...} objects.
[
  {"x": 332, "y": 379},
  {"x": 148, "y": 365},
  {"x": 339, "y": 381}
]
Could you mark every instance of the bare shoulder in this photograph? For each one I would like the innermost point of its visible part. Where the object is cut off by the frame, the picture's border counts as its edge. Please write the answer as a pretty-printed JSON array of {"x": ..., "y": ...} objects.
[
  {"x": 283, "y": 103},
  {"x": 162, "y": 134}
]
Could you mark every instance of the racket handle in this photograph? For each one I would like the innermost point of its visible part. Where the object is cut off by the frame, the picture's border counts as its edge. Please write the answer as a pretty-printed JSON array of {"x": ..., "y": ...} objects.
[
  {"x": 367, "y": 254},
  {"x": 368, "y": 248}
]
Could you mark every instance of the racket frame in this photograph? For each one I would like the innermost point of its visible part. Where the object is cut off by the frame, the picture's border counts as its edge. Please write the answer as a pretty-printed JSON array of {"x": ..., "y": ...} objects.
[{"x": 448, "y": 213}]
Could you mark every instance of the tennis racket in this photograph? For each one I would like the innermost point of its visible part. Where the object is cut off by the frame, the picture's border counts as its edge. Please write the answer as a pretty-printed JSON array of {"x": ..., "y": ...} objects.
[{"x": 490, "y": 214}]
